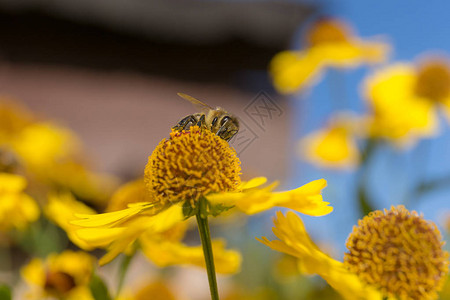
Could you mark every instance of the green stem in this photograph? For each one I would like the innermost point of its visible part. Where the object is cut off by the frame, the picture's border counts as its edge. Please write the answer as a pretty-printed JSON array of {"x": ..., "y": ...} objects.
[
  {"x": 363, "y": 197},
  {"x": 203, "y": 229},
  {"x": 123, "y": 271}
]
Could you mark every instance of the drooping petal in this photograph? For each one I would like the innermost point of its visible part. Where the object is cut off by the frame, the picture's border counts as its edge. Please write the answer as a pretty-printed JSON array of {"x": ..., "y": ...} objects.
[
  {"x": 252, "y": 183},
  {"x": 294, "y": 240},
  {"x": 61, "y": 209},
  {"x": 120, "y": 236},
  {"x": 306, "y": 199},
  {"x": 111, "y": 218}
]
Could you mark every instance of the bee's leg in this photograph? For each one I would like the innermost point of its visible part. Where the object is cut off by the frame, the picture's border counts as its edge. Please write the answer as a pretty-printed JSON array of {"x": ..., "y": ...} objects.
[
  {"x": 202, "y": 122},
  {"x": 223, "y": 130},
  {"x": 231, "y": 135},
  {"x": 185, "y": 123}
]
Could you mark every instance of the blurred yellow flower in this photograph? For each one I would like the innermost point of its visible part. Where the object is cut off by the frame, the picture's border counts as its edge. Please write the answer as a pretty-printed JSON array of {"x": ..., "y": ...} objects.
[
  {"x": 13, "y": 118},
  {"x": 17, "y": 209},
  {"x": 330, "y": 43},
  {"x": 334, "y": 146},
  {"x": 392, "y": 254},
  {"x": 156, "y": 290},
  {"x": 61, "y": 209},
  {"x": 403, "y": 98},
  {"x": 192, "y": 165},
  {"x": 61, "y": 276},
  {"x": 41, "y": 145},
  {"x": 260, "y": 294},
  {"x": 48, "y": 154}
]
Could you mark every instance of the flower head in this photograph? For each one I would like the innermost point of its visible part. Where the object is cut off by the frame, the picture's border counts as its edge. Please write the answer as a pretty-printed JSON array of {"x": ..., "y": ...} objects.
[
  {"x": 398, "y": 252},
  {"x": 329, "y": 43},
  {"x": 17, "y": 209},
  {"x": 208, "y": 168},
  {"x": 63, "y": 276},
  {"x": 433, "y": 79},
  {"x": 393, "y": 253},
  {"x": 189, "y": 165}
]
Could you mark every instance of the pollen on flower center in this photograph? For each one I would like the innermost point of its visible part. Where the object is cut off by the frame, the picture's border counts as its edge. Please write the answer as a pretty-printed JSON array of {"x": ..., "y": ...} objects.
[
  {"x": 327, "y": 31},
  {"x": 433, "y": 80},
  {"x": 399, "y": 252},
  {"x": 189, "y": 165}
]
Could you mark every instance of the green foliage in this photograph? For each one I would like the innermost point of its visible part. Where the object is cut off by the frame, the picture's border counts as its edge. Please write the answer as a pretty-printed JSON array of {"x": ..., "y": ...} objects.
[
  {"x": 98, "y": 289},
  {"x": 5, "y": 292}
]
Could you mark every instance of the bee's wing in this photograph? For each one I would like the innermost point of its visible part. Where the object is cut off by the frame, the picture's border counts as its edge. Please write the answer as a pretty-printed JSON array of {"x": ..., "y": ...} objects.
[{"x": 197, "y": 103}]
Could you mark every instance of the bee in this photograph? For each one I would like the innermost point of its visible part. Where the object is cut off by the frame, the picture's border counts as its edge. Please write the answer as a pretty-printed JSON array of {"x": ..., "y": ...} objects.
[{"x": 216, "y": 119}]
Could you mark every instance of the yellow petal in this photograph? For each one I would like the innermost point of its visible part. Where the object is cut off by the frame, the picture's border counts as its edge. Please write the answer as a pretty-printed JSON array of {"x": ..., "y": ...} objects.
[
  {"x": 61, "y": 209},
  {"x": 351, "y": 53},
  {"x": 294, "y": 240},
  {"x": 111, "y": 218},
  {"x": 43, "y": 144},
  {"x": 158, "y": 290},
  {"x": 99, "y": 237},
  {"x": 165, "y": 253},
  {"x": 130, "y": 192},
  {"x": 306, "y": 199},
  {"x": 252, "y": 183},
  {"x": 34, "y": 272},
  {"x": 11, "y": 183},
  {"x": 292, "y": 71}
]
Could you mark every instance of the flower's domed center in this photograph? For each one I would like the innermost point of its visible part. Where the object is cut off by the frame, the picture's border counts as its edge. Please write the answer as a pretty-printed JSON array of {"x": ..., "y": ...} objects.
[
  {"x": 327, "y": 31},
  {"x": 59, "y": 283},
  {"x": 189, "y": 165},
  {"x": 398, "y": 252},
  {"x": 433, "y": 80}
]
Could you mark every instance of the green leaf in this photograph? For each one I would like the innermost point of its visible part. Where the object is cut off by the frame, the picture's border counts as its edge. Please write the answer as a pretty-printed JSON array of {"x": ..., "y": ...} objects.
[
  {"x": 5, "y": 292},
  {"x": 98, "y": 289},
  {"x": 188, "y": 210}
]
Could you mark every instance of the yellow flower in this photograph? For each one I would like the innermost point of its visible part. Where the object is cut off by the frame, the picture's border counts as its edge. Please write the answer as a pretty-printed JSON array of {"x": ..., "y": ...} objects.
[
  {"x": 61, "y": 276},
  {"x": 17, "y": 209},
  {"x": 392, "y": 253},
  {"x": 94, "y": 187},
  {"x": 48, "y": 153},
  {"x": 330, "y": 43},
  {"x": 403, "y": 98},
  {"x": 41, "y": 145},
  {"x": 332, "y": 147},
  {"x": 156, "y": 290},
  {"x": 192, "y": 165}
]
